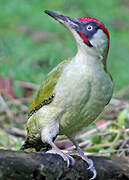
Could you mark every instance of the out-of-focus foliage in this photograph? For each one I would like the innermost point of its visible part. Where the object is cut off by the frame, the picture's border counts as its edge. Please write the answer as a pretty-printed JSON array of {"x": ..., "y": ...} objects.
[
  {"x": 26, "y": 56},
  {"x": 122, "y": 117}
]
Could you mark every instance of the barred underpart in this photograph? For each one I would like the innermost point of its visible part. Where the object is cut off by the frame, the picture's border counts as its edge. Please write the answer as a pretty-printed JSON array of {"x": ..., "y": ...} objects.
[{"x": 45, "y": 102}]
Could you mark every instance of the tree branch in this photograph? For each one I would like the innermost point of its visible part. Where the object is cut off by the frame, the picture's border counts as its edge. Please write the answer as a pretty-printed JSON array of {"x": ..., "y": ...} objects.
[{"x": 40, "y": 166}]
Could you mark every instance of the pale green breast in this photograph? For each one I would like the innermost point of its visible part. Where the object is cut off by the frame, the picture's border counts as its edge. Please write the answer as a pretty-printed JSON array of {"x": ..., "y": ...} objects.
[
  {"x": 88, "y": 93},
  {"x": 80, "y": 91}
]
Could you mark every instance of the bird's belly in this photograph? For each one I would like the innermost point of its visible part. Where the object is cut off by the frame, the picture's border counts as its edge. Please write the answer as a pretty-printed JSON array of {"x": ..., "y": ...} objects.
[{"x": 83, "y": 103}]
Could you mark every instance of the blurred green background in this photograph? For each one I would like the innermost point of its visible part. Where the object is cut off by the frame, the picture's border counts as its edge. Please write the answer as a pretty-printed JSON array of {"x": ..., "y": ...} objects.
[{"x": 31, "y": 43}]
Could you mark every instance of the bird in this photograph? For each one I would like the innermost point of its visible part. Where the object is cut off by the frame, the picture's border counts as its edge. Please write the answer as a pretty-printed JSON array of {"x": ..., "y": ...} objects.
[{"x": 74, "y": 93}]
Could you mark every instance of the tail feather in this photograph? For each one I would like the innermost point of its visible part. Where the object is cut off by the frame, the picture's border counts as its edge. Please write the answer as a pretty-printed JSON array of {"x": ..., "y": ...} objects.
[{"x": 37, "y": 145}]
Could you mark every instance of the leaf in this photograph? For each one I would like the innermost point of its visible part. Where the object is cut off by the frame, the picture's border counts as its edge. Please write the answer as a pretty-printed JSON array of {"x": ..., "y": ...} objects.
[
  {"x": 6, "y": 87},
  {"x": 63, "y": 144},
  {"x": 97, "y": 140},
  {"x": 28, "y": 87},
  {"x": 122, "y": 117},
  {"x": 100, "y": 123},
  {"x": 18, "y": 144}
]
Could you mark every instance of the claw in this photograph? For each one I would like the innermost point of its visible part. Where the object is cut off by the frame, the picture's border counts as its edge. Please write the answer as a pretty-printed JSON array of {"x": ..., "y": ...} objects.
[
  {"x": 85, "y": 158},
  {"x": 91, "y": 165},
  {"x": 69, "y": 160},
  {"x": 94, "y": 173},
  {"x": 92, "y": 169}
]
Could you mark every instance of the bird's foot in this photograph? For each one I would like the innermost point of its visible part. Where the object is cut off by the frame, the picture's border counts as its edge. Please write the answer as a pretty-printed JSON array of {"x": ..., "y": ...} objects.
[
  {"x": 91, "y": 168},
  {"x": 69, "y": 159},
  {"x": 91, "y": 165},
  {"x": 89, "y": 162}
]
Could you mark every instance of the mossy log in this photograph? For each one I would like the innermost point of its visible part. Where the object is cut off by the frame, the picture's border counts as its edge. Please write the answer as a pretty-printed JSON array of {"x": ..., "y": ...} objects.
[{"x": 40, "y": 166}]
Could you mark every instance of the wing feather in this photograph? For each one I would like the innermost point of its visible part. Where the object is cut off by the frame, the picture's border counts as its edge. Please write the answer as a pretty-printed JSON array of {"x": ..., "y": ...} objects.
[{"x": 45, "y": 94}]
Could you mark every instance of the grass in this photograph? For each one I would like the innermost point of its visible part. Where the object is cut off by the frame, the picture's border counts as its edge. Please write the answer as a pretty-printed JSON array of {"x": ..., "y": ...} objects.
[{"x": 23, "y": 58}]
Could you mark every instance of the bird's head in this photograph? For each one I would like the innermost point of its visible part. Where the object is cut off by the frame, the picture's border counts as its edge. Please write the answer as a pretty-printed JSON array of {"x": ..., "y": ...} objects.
[{"x": 90, "y": 34}]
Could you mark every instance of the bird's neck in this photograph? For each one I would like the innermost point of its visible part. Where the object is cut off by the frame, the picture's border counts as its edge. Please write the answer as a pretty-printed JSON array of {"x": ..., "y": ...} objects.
[
  {"x": 89, "y": 55},
  {"x": 85, "y": 55}
]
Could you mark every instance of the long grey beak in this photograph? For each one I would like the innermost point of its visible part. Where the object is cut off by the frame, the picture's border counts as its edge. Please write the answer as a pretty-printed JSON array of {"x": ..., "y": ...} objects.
[
  {"x": 68, "y": 22},
  {"x": 57, "y": 16}
]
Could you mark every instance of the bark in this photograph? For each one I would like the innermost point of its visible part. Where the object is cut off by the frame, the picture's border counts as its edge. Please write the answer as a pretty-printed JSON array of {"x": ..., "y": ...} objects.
[{"x": 40, "y": 166}]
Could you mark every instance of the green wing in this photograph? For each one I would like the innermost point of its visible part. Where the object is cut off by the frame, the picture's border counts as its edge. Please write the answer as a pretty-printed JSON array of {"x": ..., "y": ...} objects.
[{"x": 45, "y": 94}]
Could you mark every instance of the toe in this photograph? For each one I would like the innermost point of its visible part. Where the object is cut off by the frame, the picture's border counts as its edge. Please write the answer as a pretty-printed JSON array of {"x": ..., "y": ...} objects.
[
  {"x": 91, "y": 164},
  {"x": 67, "y": 158},
  {"x": 94, "y": 173},
  {"x": 92, "y": 168},
  {"x": 71, "y": 160}
]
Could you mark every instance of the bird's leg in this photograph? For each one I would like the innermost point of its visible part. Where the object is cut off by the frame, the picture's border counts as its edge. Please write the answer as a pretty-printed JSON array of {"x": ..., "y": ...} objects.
[
  {"x": 56, "y": 150},
  {"x": 85, "y": 158},
  {"x": 48, "y": 134}
]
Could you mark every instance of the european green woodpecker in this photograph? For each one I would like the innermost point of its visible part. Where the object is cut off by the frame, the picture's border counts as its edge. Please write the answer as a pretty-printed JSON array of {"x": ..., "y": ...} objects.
[{"x": 75, "y": 92}]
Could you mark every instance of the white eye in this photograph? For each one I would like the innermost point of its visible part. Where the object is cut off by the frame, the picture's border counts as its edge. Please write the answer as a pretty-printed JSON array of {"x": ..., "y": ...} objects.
[{"x": 89, "y": 28}]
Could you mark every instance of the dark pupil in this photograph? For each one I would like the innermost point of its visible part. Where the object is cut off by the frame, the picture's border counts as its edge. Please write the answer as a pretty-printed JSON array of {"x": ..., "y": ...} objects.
[{"x": 89, "y": 27}]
